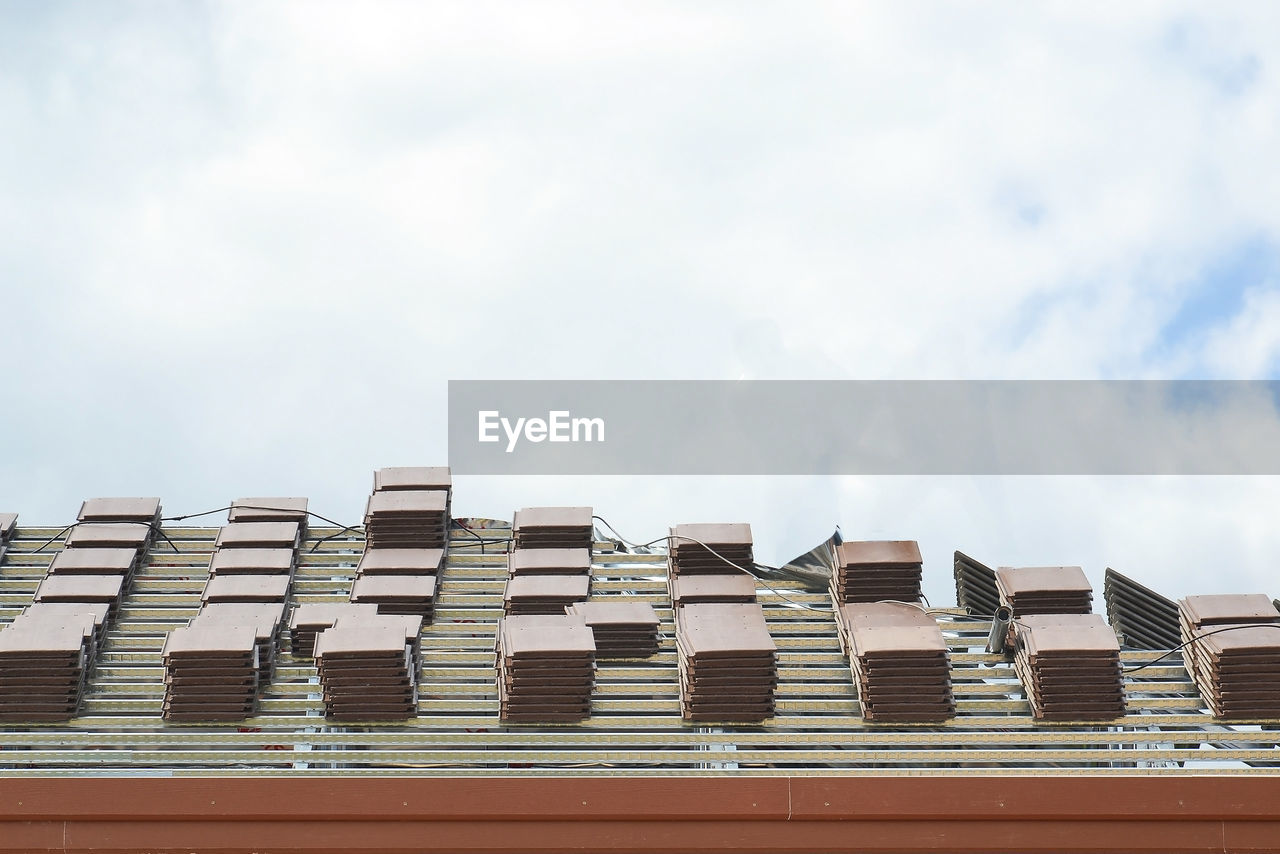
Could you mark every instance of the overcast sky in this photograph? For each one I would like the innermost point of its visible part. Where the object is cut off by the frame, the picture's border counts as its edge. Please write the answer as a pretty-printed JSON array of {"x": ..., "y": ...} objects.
[{"x": 244, "y": 246}]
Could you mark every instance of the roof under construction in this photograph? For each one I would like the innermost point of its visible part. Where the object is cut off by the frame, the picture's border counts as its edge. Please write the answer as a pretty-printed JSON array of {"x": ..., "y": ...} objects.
[{"x": 814, "y": 759}]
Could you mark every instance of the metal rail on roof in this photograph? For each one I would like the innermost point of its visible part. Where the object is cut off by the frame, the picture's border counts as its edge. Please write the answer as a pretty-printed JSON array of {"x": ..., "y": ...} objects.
[{"x": 635, "y": 728}]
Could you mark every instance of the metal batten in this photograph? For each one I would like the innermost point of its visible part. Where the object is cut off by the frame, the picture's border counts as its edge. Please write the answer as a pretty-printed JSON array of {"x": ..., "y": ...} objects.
[{"x": 635, "y": 728}]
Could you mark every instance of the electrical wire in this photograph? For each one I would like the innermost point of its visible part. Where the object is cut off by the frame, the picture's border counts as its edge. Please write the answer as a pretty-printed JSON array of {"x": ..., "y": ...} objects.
[
  {"x": 255, "y": 507},
  {"x": 343, "y": 528},
  {"x": 54, "y": 538},
  {"x": 460, "y": 524},
  {"x": 154, "y": 526},
  {"x": 1182, "y": 646},
  {"x": 670, "y": 537},
  {"x": 335, "y": 535},
  {"x": 483, "y": 542}
]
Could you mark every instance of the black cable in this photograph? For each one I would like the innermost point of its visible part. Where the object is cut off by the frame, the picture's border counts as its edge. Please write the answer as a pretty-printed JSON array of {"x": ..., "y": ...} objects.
[
  {"x": 668, "y": 539},
  {"x": 332, "y": 536},
  {"x": 154, "y": 526},
  {"x": 257, "y": 507},
  {"x": 482, "y": 540},
  {"x": 51, "y": 540},
  {"x": 1182, "y": 646},
  {"x": 197, "y": 515},
  {"x": 342, "y": 528}
]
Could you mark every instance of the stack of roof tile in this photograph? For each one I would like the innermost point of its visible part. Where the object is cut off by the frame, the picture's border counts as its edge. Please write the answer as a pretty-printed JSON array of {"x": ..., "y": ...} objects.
[
  {"x": 713, "y": 549},
  {"x": 410, "y": 624},
  {"x": 1242, "y": 668},
  {"x": 690, "y": 589},
  {"x": 553, "y": 528},
  {"x": 236, "y": 561},
  {"x": 1233, "y": 653},
  {"x": 260, "y": 535},
  {"x": 906, "y": 615},
  {"x": 621, "y": 629},
  {"x": 116, "y": 523},
  {"x": 44, "y": 663},
  {"x": 246, "y": 588},
  {"x": 409, "y": 508},
  {"x": 397, "y": 594},
  {"x": 139, "y": 511},
  {"x": 407, "y": 522},
  {"x": 1142, "y": 617},
  {"x": 211, "y": 673},
  {"x": 1044, "y": 590},
  {"x": 110, "y": 535},
  {"x": 546, "y": 668},
  {"x": 367, "y": 671},
  {"x": 876, "y": 571},
  {"x": 309, "y": 619},
  {"x": 728, "y": 663},
  {"x": 249, "y": 578},
  {"x": 526, "y": 561},
  {"x": 83, "y": 589},
  {"x": 407, "y": 519},
  {"x": 415, "y": 478},
  {"x": 292, "y": 509},
  {"x": 899, "y": 662},
  {"x": 976, "y": 590},
  {"x": 401, "y": 562},
  {"x": 544, "y": 594},
  {"x": 253, "y": 561},
  {"x": 8, "y": 527},
  {"x": 264, "y": 617},
  {"x": 1069, "y": 665},
  {"x": 121, "y": 562},
  {"x": 46, "y": 613}
]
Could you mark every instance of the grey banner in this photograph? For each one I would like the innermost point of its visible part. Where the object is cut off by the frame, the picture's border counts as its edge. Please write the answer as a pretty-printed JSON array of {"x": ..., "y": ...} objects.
[{"x": 640, "y": 427}]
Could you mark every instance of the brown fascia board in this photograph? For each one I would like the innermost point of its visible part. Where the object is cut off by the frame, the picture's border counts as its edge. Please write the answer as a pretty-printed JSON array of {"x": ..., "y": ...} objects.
[{"x": 1040, "y": 813}]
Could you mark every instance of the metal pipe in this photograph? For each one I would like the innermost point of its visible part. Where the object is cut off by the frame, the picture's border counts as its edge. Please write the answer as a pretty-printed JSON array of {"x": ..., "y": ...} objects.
[{"x": 999, "y": 629}]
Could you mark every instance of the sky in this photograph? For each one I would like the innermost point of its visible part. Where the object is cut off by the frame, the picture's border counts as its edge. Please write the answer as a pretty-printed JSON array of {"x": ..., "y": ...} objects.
[{"x": 244, "y": 246}]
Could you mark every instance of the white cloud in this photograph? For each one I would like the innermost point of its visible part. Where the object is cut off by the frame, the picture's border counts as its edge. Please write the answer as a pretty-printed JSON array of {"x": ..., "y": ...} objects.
[
  {"x": 1249, "y": 343},
  {"x": 262, "y": 237}
]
